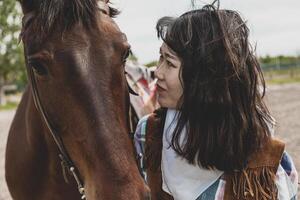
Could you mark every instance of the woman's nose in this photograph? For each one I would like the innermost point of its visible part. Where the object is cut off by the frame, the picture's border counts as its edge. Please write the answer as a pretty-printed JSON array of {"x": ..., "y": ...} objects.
[{"x": 158, "y": 73}]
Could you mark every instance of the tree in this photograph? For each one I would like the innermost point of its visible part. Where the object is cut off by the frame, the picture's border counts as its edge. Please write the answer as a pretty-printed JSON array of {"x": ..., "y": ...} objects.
[
  {"x": 12, "y": 68},
  {"x": 151, "y": 64},
  {"x": 132, "y": 57}
]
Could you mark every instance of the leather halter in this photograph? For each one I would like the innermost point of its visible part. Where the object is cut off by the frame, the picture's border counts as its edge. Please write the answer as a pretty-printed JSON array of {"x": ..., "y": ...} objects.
[{"x": 66, "y": 161}]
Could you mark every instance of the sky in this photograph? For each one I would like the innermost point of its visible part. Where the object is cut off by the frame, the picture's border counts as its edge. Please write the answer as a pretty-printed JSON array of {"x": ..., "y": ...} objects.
[{"x": 274, "y": 24}]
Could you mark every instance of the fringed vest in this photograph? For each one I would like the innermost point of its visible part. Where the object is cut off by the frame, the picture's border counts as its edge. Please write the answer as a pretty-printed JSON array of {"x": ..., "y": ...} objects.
[{"x": 255, "y": 182}]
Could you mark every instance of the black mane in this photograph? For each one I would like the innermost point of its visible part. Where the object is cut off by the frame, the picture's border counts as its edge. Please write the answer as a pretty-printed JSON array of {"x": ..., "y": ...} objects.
[{"x": 63, "y": 14}]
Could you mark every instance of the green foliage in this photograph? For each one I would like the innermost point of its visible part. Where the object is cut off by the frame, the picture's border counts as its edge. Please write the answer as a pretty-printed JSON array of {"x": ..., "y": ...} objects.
[
  {"x": 132, "y": 57},
  {"x": 280, "y": 81},
  {"x": 12, "y": 68},
  {"x": 151, "y": 64},
  {"x": 281, "y": 58},
  {"x": 280, "y": 61},
  {"x": 9, "y": 106}
]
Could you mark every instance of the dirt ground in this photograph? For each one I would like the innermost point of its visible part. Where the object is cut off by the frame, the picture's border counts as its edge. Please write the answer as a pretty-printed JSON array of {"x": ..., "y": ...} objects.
[
  {"x": 283, "y": 101},
  {"x": 5, "y": 120},
  {"x": 284, "y": 104}
]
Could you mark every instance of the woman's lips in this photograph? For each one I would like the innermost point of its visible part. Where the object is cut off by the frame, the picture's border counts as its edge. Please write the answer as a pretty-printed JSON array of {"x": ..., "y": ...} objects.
[{"x": 159, "y": 88}]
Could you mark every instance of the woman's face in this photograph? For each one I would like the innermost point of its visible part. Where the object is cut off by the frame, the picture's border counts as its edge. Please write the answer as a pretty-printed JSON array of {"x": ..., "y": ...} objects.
[{"x": 168, "y": 84}]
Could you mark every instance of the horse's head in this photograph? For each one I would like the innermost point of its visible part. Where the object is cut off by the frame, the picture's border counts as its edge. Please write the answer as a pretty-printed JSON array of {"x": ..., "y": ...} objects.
[{"x": 77, "y": 54}]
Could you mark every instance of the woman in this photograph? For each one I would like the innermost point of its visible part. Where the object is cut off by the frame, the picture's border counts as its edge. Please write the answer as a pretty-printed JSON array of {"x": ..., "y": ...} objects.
[{"x": 212, "y": 138}]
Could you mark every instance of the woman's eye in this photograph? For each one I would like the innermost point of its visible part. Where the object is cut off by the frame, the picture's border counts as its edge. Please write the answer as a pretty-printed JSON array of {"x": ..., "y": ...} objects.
[
  {"x": 170, "y": 64},
  {"x": 38, "y": 68}
]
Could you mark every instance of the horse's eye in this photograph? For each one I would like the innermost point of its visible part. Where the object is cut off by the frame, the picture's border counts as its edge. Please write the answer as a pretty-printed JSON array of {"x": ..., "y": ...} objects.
[
  {"x": 38, "y": 68},
  {"x": 126, "y": 55}
]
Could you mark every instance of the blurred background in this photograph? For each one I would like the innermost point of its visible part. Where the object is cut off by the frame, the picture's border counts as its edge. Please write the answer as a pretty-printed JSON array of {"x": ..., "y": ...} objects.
[{"x": 274, "y": 32}]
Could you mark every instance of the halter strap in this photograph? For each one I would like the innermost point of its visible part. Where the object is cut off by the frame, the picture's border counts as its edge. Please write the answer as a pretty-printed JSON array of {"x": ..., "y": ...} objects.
[{"x": 66, "y": 161}]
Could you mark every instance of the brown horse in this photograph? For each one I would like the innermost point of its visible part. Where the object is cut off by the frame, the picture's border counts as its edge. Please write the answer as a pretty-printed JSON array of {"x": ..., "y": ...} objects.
[{"x": 76, "y": 105}]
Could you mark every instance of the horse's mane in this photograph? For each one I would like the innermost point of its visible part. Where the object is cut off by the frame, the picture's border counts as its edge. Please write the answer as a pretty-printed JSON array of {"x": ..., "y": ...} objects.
[{"x": 63, "y": 14}]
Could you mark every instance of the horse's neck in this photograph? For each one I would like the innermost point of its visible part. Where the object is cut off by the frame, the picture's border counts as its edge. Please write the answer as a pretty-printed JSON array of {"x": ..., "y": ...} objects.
[
  {"x": 31, "y": 146},
  {"x": 40, "y": 139}
]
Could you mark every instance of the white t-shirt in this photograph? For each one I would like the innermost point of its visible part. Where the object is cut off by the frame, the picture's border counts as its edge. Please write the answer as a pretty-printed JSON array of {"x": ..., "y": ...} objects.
[{"x": 182, "y": 180}]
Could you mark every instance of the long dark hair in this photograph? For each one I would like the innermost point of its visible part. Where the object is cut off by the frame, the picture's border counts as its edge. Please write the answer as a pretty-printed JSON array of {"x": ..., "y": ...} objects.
[{"x": 222, "y": 103}]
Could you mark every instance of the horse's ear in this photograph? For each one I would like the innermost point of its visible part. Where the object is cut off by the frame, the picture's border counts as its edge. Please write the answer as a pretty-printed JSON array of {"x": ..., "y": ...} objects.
[{"x": 29, "y": 5}]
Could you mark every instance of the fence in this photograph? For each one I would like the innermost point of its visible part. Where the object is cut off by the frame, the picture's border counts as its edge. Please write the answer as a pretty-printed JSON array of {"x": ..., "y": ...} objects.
[{"x": 282, "y": 72}]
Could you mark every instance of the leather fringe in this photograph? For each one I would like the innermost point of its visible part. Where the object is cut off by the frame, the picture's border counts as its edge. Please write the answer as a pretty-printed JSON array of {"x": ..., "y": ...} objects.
[{"x": 254, "y": 184}]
